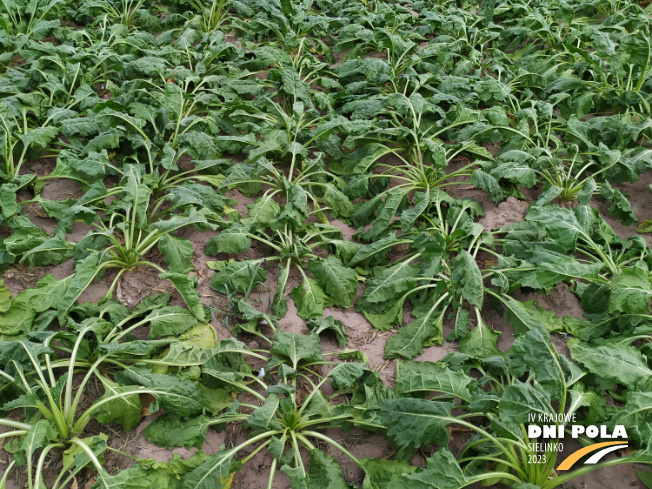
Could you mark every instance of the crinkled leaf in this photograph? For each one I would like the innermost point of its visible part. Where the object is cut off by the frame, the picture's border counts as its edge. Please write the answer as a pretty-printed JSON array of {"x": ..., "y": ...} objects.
[
  {"x": 339, "y": 282},
  {"x": 297, "y": 348},
  {"x": 309, "y": 298},
  {"x": 186, "y": 287},
  {"x": 171, "y": 431},
  {"x": 125, "y": 410},
  {"x": 178, "y": 253},
  {"x": 431, "y": 377},
  {"x": 466, "y": 272},
  {"x": 631, "y": 292},
  {"x": 480, "y": 342},
  {"x": 416, "y": 422},
  {"x": 319, "y": 325},
  {"x": 623, "y": 363}
]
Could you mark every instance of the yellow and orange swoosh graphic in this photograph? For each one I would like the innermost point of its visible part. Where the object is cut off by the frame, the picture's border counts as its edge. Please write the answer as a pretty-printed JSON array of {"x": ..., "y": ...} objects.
[{"x": 575, "y": 456}]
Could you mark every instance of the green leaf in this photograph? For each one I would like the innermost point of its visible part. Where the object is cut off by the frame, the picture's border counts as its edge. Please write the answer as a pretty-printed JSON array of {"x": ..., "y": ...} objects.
[
  {"x": 519, "y": 316},
  {"x": 533, "y": 352},
  {"x": 262, "y": 211},
  {"x": 623, "y": 363},
  {"x": 324, "y": 472},
  {"x": 151, "y": 474},
  {"x": 549, "y": 319},
  {"x": 409, "y": 341},
  {"x": 151, "y": 304},
  {"x": 18, "y": 319},
  {"x": 337, "y": 200},
  {"x": 41, "y": 136},
  {"x": 309, "y": 298},
  {"x": 631, "y": 292},
  {"x": 345, "y": 375},
  {"x": 265, "y": 417},
  {"x": 378, "y": 472},
  {"x": 279, "y": 303},
  {"x": 231, "y": 240},
  {"x": 52, "y": 251},
  {"x": 565, "y": 267},
  {"x": 645, "y": 477},
  {"x": 595, "y": 298},
  {"x": 125, "y": 410},
  {"x": 361, "y": 159},
  {"x": 489, "y": 184},
  {"x": 390, "y": 282},
  {"x": 297, "y": 348},
  {"x": 250, "y": 314},
  {"x": 5, "y": 297},
  {"x": 176, "y": 395},
  {"x": 587, "y": 398},
  {"x": 518, "y": 173},
  {"x": 236, "y": 276},
  {"x": 621, "y": 207},
  {"x": 319, "y": 325},
  {"x": 466, "y": 272},
  {"x": 76, "y": 456},
  {"x": 136, "y": 193},
  {"x": 339, "y": 282},
  {"x": 186, "y": 287},
  {"x": 178, "y": 253},
  {"x": 637, "y": 410},
  {"x": 480, "y": 342},
  {"x": 85, "y": 272},
  {"x": 291, "y": 82},
  {"x": 431, "y": 377},
  {"x": 8, "y": 200},
  {"x": 388, "y": 210},
  {"x": 384, "y": 320},
  {"x": 138, "y": 348},
  {"x": 112, "y": 118},
  {"x": 421, "y": 202},
  {"x": 214, "y": 473},
  {"x": 442, "y": 472},
  {"x": 178, "y": 221},
  {"x": 87, "y": 170},
  {"x": 201, "y": 335},
  {"x": 22, "y": 312},
  {"x": 561, "y": 224},
  {"x": 38, "y": 436},
  {"x": 371, "y": 249},
  {"x": 462, "y": 323},
  {"x": 521, "y": 399},
  {"x": 549, "y": 195},
  {"x": 585, "y": 330},
  {"x": 170, "y": 320},
  {"x": 171, "y": 431},
  {"x": 413, "y": 423},
  {"x": 25, "y": 237}
]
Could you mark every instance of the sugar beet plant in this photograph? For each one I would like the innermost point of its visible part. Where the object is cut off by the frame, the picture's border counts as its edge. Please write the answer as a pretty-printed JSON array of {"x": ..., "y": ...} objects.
[
  {"x": 345, "y": 158},
  {"x": 136, "y": 227},
  {"x": 288, "y": 422}
]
